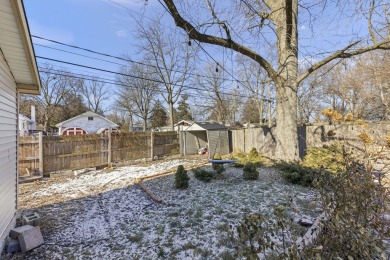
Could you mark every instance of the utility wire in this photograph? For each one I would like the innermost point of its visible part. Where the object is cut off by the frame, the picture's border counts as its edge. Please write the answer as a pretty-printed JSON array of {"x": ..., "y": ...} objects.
[
  {"x": 107, "y": 55},
  {"x": 107, "y": 81},
  {"x": 133, "y": 76}
]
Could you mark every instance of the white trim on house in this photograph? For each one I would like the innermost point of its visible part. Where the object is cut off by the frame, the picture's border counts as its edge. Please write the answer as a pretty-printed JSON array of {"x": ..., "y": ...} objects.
[
  {"x": 90, "y": 127},
  {"x": 18, "y": 74},
  {"x": 74, "y": 131}
]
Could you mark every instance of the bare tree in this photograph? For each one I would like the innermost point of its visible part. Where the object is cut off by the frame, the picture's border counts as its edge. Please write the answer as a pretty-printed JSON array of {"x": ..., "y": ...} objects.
[
  {"x": 255, "y": 81},
  {"x": 95, "y": 93},
  {"x": 55, "y": 86},
  {"x": 218, "y": 100},
  {"x": 251, "y": 24},
  {"x": 171, "y": 57},
  {"x": 120, "y": 117},
  {"x": 312, "y": 95},
  {"x": 139, "y": 90},
  {"x": 125, "y": 108},
  {"x": 369, "y": 77}
]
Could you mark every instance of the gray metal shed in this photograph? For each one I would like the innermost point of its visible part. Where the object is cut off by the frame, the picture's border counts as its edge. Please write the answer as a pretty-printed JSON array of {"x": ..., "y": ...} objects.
[{"x": 196, "y": 135}]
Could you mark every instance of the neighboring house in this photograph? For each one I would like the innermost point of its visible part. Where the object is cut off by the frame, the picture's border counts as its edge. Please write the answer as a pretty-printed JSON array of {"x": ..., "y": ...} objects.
[
  {"x": 18, "y": 74},
  {"x": 86, "y": 123},
  {"x": 26, "y": 125}
]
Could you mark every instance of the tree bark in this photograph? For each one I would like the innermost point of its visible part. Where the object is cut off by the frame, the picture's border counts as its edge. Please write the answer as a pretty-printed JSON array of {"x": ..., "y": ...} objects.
[
  {"x": 145, "y": 124},
  {"x": 286, "y": 86},
  {"x": 171, "y": 119}
]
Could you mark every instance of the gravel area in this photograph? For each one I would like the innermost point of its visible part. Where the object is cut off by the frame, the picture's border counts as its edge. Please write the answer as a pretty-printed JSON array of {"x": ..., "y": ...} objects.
[{"x": 103, "y": 215}]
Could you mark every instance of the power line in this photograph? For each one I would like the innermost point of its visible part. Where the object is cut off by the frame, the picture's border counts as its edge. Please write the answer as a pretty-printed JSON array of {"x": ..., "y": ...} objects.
[
  {"x": 107, "y": 55},
  {"x": 138, "y": 77},
  {"x": 107, "y": 81}
]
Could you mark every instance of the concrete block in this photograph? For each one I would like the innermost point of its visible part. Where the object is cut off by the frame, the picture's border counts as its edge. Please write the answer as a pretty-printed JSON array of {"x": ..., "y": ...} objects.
[
  {"x": 30, "y": 239},
  {"x": 32, "y": 219},
  {"x": 15, "y": 232},
  {"x": 13, "y": 246}
]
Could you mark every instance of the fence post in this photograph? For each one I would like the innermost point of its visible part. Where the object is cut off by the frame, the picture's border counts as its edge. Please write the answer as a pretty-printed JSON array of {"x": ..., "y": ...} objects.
[
  {"x": 244, "y": 141},
  {"x": 40, "y": 153},
  {"x": 151, "y": 145},
  {"x": 109, "y": 148}
]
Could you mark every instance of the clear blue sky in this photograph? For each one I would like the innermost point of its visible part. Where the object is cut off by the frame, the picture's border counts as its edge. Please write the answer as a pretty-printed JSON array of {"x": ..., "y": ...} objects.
[
  {"x": 100, "y": 25},
  {"x": 108, "y": 27},
  {"x": 97, "y": 24}
]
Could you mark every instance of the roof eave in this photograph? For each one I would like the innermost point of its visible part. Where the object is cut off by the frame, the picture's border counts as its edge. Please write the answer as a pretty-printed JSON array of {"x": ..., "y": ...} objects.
[{"x": 21, "y": 20}]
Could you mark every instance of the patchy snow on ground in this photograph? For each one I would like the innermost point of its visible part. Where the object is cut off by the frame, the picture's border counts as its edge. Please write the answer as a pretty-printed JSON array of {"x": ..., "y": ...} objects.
[{"x": 103, "y": 215}]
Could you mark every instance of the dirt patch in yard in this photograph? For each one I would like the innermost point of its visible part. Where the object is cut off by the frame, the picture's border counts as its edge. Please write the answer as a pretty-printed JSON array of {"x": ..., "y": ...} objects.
[{"x": 103, "y": 215}]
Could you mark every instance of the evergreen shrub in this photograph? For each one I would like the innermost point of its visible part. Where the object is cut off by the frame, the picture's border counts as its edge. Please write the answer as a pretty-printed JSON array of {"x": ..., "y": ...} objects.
[
  {"x": 181, "y": 178},
  {"x": 250, "y": 172}
]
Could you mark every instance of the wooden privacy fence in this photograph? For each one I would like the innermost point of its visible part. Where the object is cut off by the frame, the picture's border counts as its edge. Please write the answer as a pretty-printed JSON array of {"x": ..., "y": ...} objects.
[{"x": 58, "y": 153}]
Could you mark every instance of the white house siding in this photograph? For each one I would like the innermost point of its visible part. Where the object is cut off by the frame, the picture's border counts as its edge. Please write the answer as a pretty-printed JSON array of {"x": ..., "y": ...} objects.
[
  {"x": 8, "y": 149},
  {"x": 91, "y": 126}
]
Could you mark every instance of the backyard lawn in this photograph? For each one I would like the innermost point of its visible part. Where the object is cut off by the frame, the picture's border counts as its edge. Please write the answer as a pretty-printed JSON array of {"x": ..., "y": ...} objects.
[{"x": 104, "y": 215}]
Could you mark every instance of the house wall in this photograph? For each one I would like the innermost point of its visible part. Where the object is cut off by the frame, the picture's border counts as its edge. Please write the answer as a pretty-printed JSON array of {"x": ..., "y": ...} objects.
[
  {"x": 8, "y": 149},
  {"x": 91, "y": 126}
]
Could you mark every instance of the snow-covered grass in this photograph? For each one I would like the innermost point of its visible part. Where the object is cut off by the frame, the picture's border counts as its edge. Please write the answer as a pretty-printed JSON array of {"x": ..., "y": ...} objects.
[{"x": 103, "y": 215}]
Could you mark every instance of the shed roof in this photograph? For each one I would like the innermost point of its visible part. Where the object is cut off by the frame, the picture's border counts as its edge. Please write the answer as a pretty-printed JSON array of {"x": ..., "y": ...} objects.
[
  {"x": 199, "y": 126},
  {"x": 87, "y": 114},
  {"x": 184, "y": 122},
  {"x": 16, "y": 46}
]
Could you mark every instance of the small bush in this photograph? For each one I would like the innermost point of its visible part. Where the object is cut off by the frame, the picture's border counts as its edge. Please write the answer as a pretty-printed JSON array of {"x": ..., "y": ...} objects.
[
  {"x": 358, "y": 206},
  {"x": 253, "y": 157},
  {"x": 297, "y": 174},
  {"x": 181, "y": 178},
  {"x": 330, "y": 158},
  {"x": 218, "y": 167},
  {"x": 217, "y": 157},
  {"x": 253, "y": 153},
  {"x": 250, "y": 172},
  {"x": 255, "y": 234},
  {"x": 238, "y": 165},
  {"x": 203, "y": 175}
]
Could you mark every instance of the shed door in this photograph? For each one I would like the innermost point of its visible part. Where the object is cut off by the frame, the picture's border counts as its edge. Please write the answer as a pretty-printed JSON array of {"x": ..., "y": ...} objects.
[{"x": 218, "y": 142}]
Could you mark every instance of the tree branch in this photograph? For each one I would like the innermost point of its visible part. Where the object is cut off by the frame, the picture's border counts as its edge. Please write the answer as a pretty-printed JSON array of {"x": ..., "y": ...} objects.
[
  {"x": 227, "y": 43},
  {"x": 342, "y": 54}
]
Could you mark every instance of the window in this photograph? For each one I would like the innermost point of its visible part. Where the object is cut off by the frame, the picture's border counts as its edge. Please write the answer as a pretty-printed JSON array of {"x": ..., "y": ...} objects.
[{"x": 90, "y": 118}]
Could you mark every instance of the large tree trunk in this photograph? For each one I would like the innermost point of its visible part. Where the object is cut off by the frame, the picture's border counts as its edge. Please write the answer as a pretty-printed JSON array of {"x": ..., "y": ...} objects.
[
  {"x": 286, "y": 86},
  {"x": 145, "y": 123},
  {"x": 172, "y": 122},
  {"x": 46, "y": 121}
]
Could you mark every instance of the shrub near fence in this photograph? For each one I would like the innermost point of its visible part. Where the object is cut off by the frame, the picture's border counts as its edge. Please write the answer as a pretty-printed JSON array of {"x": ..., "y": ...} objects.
[{"x": 83, "y": 151}]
